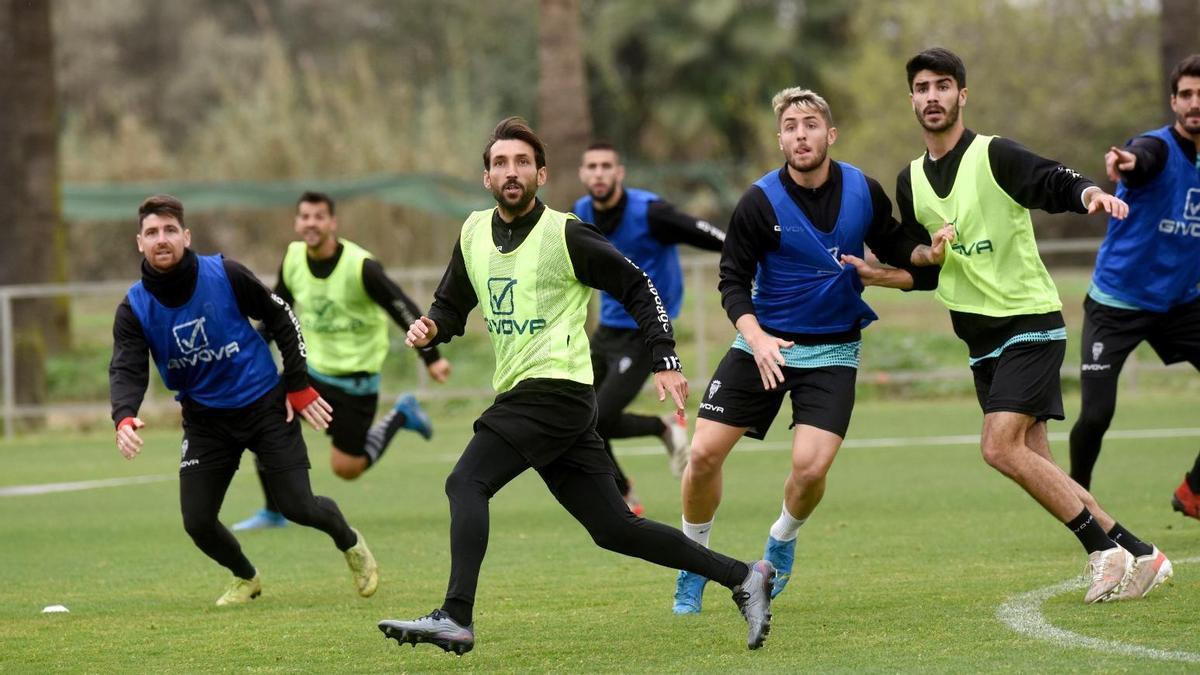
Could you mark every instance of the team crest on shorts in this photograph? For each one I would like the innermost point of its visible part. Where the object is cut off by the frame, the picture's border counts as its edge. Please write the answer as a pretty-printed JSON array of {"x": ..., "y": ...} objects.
[
  {"x": 713, "y": 387},
  {"x": 183, "y": 450},
  {"x": 623, "y": 364},
  {"x": 1097, "y": 349}
]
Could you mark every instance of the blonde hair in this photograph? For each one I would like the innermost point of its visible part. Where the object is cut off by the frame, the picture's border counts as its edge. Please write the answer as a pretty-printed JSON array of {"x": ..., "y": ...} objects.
[{"x": 803, "y": 98}]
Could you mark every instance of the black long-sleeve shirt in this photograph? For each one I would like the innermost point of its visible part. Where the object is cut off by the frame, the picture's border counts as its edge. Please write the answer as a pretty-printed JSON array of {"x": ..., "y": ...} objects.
[
  {"x": 129, "y": 369},
  {"x": 754, "y": 232},
  {"x": 597, "y": 264},
  {"x": 1032, "y": 181},
  {"x": 379, "y": 287},
  {"x": 667, "y": 224},
  {"x": 1152, "y": 156}
]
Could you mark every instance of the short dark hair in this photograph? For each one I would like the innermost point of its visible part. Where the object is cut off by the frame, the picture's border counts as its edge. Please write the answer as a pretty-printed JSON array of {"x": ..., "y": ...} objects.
[
  {"x": 1189, "y": 66},
  {"x": 311, "y": 197},
  {"x": 160, "y": 205},
  {"x": 515, "y": 129},
  {"x": 939, "y": 60},
  {"x": 601, "y": 145}
]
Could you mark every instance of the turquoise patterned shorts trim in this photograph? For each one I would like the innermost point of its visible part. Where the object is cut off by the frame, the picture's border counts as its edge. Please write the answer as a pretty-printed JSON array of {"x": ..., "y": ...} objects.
[
  {"x": 355, "y": 385},
  {"x": 1035, "y": 336},
  {"x": 813, "y": 356}
]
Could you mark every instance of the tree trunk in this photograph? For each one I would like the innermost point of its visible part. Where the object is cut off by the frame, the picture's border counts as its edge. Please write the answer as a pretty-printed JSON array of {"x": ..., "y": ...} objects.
[
  {"x": 564, "y": 120},
  {"x": 35, "y": 239},
  {"x": 1177, "y": 32}
]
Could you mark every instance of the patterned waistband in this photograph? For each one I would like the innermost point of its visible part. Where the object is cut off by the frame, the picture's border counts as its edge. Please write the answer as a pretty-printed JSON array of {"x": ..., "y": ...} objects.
[
  {"x": 1035, "y": 336},
  {"x": 355, "y": 385},
  {"x": 813, "y": 356}
]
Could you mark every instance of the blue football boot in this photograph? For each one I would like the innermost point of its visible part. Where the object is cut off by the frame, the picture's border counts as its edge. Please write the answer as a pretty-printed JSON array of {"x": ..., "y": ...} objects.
[
  {"x": 781, "y": 554},
  {"x": 415, "y": 418},
  {"x": 689, "y": 591}
]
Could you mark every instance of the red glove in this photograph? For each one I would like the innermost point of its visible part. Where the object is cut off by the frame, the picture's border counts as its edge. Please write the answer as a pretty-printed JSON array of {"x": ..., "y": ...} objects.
[
  {"x": 301, "y": 399},
  {"x": 125, "y": 422}
]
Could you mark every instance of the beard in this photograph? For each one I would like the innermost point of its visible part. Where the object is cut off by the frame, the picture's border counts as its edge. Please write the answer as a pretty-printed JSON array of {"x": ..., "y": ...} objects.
[
  {"x": 517, "y": 205},
  {"x": 949, "y": 119},
  {"x": 818, "y": 158},
  {"x": 602, "y": 196},
  {"x": 1192, "y": 129}
]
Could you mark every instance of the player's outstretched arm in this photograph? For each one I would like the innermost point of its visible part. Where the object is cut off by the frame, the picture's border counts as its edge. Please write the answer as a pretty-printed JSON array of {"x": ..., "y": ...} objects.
[
  {"x": 673, "y": 382},
  {"x": 870, "y": 275},
  {"x": 128, "y": 440},
  {"x": 313, "y": 409},
  {"x": 421, "y": 333},
  {"x": 935, "y": 253},
  {"x": 1097, "y": 199},
  {"x": 439, "y": 370}
]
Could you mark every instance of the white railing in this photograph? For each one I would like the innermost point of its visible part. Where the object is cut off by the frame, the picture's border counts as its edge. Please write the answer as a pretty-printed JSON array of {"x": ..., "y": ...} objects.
[{"x": 700, "y": 274}]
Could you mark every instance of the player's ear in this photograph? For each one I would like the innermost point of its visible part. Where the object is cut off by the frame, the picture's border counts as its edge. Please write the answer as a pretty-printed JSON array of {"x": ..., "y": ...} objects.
[{"x": 541, "y": 176}]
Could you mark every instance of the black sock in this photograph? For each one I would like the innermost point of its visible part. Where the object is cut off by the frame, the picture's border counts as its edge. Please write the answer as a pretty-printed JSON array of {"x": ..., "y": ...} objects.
[
  {"x": 1193, "y": 477},
  {"x": 1090, "y": 534},
  {"x": 458, "y": 610},
  {"x": 381, "y": 433},
  {"x": 1128, "y": 541}
]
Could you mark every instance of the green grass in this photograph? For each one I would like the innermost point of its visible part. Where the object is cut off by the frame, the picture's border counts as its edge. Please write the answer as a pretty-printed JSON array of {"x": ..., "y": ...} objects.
[{"x": 901, "y": 568}]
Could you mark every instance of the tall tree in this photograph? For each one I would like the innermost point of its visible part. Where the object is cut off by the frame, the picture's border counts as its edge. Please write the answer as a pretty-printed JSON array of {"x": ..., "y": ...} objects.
[
  {"x": 29, "y": 209},
  {"x": 564, "y": 119},
  {"x": 1177, "y": 32}
]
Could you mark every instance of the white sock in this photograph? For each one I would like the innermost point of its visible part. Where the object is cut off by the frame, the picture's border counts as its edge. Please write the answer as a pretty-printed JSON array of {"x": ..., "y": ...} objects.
[
  {"x": 698, "y": 532},
  {"x": 787, "y": 527}
]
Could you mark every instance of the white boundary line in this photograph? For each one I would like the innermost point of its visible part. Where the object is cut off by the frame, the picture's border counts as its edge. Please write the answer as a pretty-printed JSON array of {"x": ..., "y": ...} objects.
[
  {"x": 922, "y": 441},
  {"x": 769, "y": 446},
  {"x": 47, "y": 488},
  {"x": 1023, "y": 613}
]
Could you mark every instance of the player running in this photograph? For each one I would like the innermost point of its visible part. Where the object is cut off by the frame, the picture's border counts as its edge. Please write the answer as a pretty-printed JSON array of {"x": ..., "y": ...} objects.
[
  {"x": 533, "y": 268},
  {"x": 1146, "y": 285},
  {"x": 647, "y": 230},
  {"x": 192, "y": 314},
  {"x": 344, "y": 298},
  {"x": 971, "y": 195},
  {"x": 790, "y": 284}
]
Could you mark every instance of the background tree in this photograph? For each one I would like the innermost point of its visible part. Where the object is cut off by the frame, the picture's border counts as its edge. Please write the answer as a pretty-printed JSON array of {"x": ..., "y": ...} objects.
[
  {"x": 1177, "y": 31},
  {"x": 564, "y": 119},
  {"x": 34, "y": 245}
]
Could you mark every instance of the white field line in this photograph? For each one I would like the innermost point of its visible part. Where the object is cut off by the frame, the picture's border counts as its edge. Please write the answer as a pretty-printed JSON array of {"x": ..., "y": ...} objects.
[
  {"x": 47, "y": 488},
  {"x": 1023, "y": 613},
  {"x": 923, "y": 441},
  {"x": 770, "y": 446}
]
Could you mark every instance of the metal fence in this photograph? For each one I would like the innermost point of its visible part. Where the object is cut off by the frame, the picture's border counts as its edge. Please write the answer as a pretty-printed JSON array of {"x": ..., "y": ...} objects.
[{"x": 700, "y": 272}]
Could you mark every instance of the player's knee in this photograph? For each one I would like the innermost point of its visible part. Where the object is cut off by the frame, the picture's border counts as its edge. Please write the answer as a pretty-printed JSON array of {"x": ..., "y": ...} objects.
[
  {"x": 199, "y": 525},
  {"x": 347, "y": 471},
  {"x": 705, "y": 461},
  {"x": 809, "y": 473},
  {"x": 460, "y": 485},
  {"x": 997, "y": 454},
  {"x": 612, "y": 535},
  {"x": 1096, "y": 417}
]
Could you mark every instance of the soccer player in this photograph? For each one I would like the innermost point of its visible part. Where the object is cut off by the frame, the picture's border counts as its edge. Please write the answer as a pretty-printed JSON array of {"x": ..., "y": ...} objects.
[
  {"x": 344, "y": 298},
  {"x": 970, "y": 195},
  {"x": 790, "y": 285},
  {"x": 1145, "y": 283},
  {"x": 647, "y": 230},
  {"x": 533, "y": 268},
  {"x": 192, "y": 314}
]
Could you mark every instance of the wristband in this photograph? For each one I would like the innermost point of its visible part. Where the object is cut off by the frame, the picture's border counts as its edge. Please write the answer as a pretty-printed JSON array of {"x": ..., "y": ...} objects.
[
  {"x": 125, "y": 422},
  {"x": 301, "y": 399}
]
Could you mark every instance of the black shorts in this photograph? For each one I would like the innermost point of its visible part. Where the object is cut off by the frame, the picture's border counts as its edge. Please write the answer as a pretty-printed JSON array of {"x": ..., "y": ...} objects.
[
  {"x": 214, "y": 438},
  {"x": 821, "y": 397},
  {"x": 1110, "y": 334},
  {"x": 352, "y": 417},
  {"x": 1023, "y": 379}
]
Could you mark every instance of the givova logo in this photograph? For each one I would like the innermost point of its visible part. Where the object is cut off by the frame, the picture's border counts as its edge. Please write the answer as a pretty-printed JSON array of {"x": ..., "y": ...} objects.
[
  {"x": 190, "y": 336},
  {"x": 500, "y": 301},
  {"x": 1189, "y": 226},
  {"x": 192, "y": 340},
  {"x": 500, "y": 294}
]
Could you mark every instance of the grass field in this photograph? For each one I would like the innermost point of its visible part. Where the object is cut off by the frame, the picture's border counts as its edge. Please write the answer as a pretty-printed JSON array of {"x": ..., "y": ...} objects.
[{"x": 902, "y": 567}]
